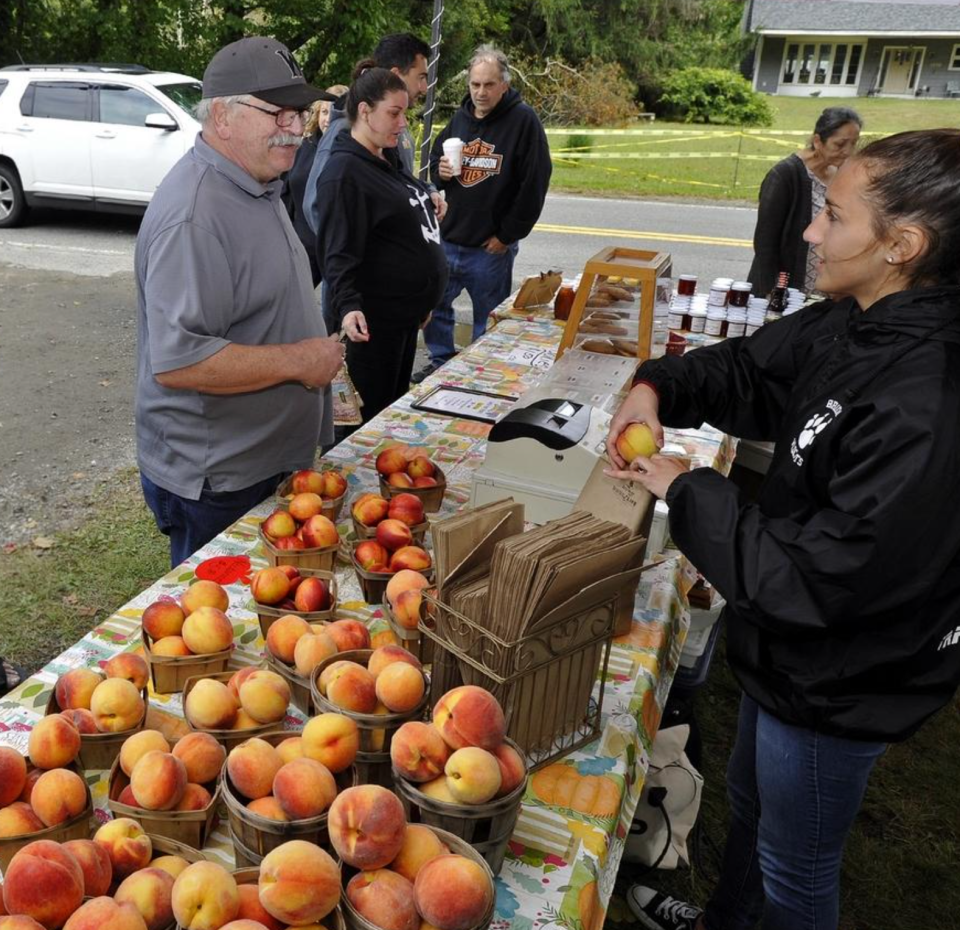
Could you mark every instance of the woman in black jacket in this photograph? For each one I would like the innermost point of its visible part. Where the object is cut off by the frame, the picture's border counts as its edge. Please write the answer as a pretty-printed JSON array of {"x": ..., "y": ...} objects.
[
  {"x": 379, "y": 248},
  {"x": 791, "y": 195},
  {"x": 842, "y": 582}
]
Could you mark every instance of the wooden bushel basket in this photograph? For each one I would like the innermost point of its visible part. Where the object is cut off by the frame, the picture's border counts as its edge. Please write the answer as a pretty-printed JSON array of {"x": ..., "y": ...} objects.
[
  {"x": 168, "y": 674},
  {"x": 267, "y": 613},
  {"x": 431, "y": 498},
  {"x": 226, "y": 738},
  {"x": 250, "y": 875}
]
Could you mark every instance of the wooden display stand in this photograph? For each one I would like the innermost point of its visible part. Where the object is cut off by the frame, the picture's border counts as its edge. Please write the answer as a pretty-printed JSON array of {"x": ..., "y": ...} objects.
[{"x": 641, "y": 264}]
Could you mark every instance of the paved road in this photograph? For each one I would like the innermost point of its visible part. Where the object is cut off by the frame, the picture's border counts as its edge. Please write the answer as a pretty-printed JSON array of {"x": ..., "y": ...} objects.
[{"x": 708, "y": 239}]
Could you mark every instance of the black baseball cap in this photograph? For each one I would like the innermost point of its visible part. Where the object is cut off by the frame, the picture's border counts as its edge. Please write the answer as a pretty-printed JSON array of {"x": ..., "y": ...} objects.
[{"x": 264, "y": 68}]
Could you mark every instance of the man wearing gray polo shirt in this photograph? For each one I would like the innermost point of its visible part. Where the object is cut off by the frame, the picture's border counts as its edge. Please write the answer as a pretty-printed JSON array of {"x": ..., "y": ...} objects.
[{"x": 234, "y": 363}]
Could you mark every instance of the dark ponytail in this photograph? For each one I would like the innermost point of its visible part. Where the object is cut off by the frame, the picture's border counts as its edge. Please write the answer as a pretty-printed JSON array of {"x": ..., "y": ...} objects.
[{"x": 370, "y": 85}]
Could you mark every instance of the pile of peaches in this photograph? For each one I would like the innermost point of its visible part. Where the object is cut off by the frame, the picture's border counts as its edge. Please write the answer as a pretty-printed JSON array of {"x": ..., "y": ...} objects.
[
  {"x": 252, "y": 697},
  {"x": 294, "y": 642},
  {"x": 405, "y": 597},
  {"x": 461, "y": 757},
  {"x": 328, "y": 484},
  {"x": 163, "y": 779},
  {"x": 100, "y": 702},
  {"x": 285, "y": 588},
  {"x": 392, "y": 682},
  {"x": 197, "y": 625},
  {"x": 408, "y": 877},
  {"x": 294, "y": 780},
  {"x": 402, "y": 467},
  {"x": 303, "y": 526},
  {"x": 392, "y": 549},
  {"x": 47, "y": 795}
]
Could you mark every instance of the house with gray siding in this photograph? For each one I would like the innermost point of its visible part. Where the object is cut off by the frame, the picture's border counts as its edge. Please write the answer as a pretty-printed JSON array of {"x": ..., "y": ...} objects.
[{"x": 855, "y": 48}]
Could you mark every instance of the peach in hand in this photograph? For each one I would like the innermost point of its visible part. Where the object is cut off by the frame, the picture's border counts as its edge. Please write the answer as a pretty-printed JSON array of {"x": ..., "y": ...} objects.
[
  {"x": 75, "y": 688},
  {"x": 116, "y": 705},
  {"x": 635, "y": 441},
  {"x": 54, "y": 742},
  {"x": 331, "y": 739},
  {"x": 204, "y": 594},
  {"x": 43, "y": 881},
  {"x": 158, "y": 780},
  {"x": 59, "y": 795},
  {"x": 453, "y": 892},
  {"x": 299, "y": 883},
  {"x": 128, "y": 847},
  {"x": 470, "y": 716},
  {"x": 366, "y": 825},
  {"x": 418, "y": 751},
  {"x": 129, "y": 666},
  {"x": 138, "y": 745},
  {"x": 252, "y": 766},
  {"x": 384, "y": 898},
  {"x": 202, "y": 756},
  {"x": 95, "y": 865},
  {"x": 150, "y": 891},
  {"x": 304, "y": 788},
  {"x": 205, "y": 897},
  {"x": 13, "y": 775}
]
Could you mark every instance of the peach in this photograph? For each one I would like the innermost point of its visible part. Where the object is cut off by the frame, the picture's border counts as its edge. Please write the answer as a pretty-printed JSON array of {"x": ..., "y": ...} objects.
[
  {"x": 307, "y": 480},
  {"x": 252, "y": 909},
  {"x": 410, "y": 557},
  {"x": 58, "y": 795},
  {"x": 319, "y": 532},
  {"x": 202, "y": 756},
  {"x": 453, "y": 892},
  {"x": 13, "y": 775},
  {"x": 369, "y": 554},
  {"x": 290, "y": 749},
  {"x": 636, "y": 440},
  {"x": 313, "y": 595},
  {"x": 252, "y": 767},
  {"x": 311, "y": 650},
  {"x": 163, "y": 618},
  {"x": 105, "y": 913},
  {"x": 384, "y": 898},
  {"x": 278, "y": 525},
  {"x": 400, "y": 687},
  {"x": 421, "y": 467},
  {"x": 136, "y": 746},
  {"x": 387, "y": 655},
  {"x": 243, "y": 721},
  {"x": 305, "y": 505},
  {"x": 195, "y": 798},
  {"x": 129, "y": 666},
  {"x": 420, "y": 845},
  {"x": 299, "y": 883},
  {"x": 158, "y": 780},
  {"x": 405, "y": 580},
  {"x": 330, "y": 672},
  {"x": 116, "y": 705},
  {"x": 204, "y": 594},
  {"x": 172, "y": 865},
  {"x": 17, "y": 921},
  {"x": 127, "y": 845},
  {"x": 205, "y": 897},
  {"x": 370, "y": 509},
  {"x": 304, "y": 788},
  {"x": 33, "y": 776},
  {"x": 349, "y": 634},
  {"x": 408, "y": 609},
  {"x": 425, "y": 482},
  {"x": 283, "y": 635},
  {"x": 150, "y": 891},
  {"x": 406, "y": 507},
  {"x": 366, "y": 825},
  {"x": 207, "y": 630},
  {"x": 265, "y": 696},
  {"x": 418, "y": 751},
  {"x": 43, "y": 881},
  {"x": 82, "y": 719},
  {"x": 54, "y": 742},
  {"x": 127, "y": 797},
  {"x": 334, "y": 484},
  {"x": 470, "y": 716},
  {"x": 170, "y": 646},
  {"x": 75, "y": 688},
  {"x": 392, "y": 460},
  {"x": 332, "y": 739},
  {"x": 269, "y": 586},
  {"x": 513, "y": 769},
  {"x": 394, "y": 534},
  {"x": 238, "y": 678},
  {"x": 438, "y": 789},
  {"x": 19, "y": 818},
  {"x": 473, "y": 775},
  {"x": 354, "y": 689},
  {"x": 400, "y": 479},
  {"x": 210, "y": 705},
  {"x": 287, "y": 542},
  {"x": 95, "y": 865},
  {"x": 268, "y": 807}
]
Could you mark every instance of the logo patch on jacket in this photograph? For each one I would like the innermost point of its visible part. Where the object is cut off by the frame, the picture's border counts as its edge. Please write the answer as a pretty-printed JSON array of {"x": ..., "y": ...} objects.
[
  {"x": 813, "y": 428},
  {"x": 478, "y": 162}
]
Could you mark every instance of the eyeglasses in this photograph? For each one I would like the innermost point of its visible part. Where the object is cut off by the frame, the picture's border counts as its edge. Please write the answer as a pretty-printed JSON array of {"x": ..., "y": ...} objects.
[{"x": 283, "y": 118}]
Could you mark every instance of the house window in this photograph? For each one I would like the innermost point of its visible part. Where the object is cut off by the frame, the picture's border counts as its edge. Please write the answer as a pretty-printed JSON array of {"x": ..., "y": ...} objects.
[
  {"x": 955, "y": 59},
  {"x": 839, "y": 60},
  {"x": 790, "y": 64},
  {"x": 808, "y": 63},
  {"x": 856, "y": 51}
]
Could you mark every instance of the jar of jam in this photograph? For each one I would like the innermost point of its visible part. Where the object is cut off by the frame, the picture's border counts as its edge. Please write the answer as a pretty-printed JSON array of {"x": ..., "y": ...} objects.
[{"x": 563, "y": 302}]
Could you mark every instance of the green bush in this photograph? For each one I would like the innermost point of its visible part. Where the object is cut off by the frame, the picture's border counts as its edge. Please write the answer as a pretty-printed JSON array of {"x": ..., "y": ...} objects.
[{"x": 713, "y": 95}]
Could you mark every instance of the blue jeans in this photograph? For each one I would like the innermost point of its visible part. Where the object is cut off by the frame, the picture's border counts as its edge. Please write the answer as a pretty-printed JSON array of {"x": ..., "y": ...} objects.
[
  {"x": 794, "y": 794},
  {"x": 486, "y": 277},
  {"x": 192, "y": 524}
]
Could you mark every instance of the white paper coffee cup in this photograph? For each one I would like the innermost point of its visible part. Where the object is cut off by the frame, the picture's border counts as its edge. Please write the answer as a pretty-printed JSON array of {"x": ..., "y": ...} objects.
[{"x": 453, "y": 149}]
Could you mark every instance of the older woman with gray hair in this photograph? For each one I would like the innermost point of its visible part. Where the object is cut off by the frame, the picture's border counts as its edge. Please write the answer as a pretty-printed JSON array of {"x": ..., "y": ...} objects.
[{"x": 792, "y": 194}]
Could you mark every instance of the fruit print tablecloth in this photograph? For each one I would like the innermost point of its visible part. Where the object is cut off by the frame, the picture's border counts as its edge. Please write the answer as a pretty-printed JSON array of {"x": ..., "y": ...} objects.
[{"x": 563, "y": 857}]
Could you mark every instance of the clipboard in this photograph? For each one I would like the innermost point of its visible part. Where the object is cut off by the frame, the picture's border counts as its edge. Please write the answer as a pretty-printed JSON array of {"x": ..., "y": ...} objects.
[{"x": 449, "y": 400}]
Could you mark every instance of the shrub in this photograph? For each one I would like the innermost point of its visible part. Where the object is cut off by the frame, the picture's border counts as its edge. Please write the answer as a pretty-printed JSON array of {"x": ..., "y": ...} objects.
[{"x": 713, "y": 95}]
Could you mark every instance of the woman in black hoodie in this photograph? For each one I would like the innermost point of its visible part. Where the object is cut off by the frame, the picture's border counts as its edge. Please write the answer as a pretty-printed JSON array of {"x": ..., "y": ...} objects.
[
  {"x": 842, "y": 581},
  {"x": 379, "y": 248}
]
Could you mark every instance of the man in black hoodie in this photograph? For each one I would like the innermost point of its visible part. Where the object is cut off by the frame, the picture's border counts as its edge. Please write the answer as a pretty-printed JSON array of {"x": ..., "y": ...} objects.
[{"x": 493, "y": 203}]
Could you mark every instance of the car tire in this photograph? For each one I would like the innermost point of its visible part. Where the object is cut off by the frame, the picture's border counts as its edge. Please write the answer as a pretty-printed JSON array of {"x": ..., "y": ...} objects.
[{"x": 13, "y": 205}]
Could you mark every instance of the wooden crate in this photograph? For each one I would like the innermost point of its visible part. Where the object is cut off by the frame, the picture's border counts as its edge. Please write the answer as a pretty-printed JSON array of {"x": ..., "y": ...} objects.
[
  {"x": 267, "y": 614},
  {"x": 323, "y": 558},
  {"x": 431, "y": 498}
]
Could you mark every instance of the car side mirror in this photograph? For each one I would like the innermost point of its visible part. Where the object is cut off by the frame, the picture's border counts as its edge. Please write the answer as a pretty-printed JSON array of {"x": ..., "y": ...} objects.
[{"x": 161, "y": 121}]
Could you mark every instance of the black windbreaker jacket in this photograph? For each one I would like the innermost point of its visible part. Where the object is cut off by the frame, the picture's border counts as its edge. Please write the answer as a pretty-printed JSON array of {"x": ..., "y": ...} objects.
[{"x": 843, "y": 582}]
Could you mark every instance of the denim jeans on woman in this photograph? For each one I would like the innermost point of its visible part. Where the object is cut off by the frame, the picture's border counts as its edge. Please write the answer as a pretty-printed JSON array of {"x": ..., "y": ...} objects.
[{"x": 794, "y": 794}]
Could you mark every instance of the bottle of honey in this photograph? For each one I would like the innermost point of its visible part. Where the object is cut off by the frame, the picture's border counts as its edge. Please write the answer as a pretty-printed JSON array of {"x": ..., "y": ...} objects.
[{"x": 563, "y": 302}]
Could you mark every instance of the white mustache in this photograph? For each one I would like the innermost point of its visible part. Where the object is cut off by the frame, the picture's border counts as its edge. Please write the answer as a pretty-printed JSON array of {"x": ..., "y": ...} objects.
[{"x": 285, "y": 138}]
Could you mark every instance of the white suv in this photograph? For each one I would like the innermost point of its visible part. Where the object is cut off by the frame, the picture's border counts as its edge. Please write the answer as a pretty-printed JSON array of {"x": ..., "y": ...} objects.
[{"x": 95, "y": 137}]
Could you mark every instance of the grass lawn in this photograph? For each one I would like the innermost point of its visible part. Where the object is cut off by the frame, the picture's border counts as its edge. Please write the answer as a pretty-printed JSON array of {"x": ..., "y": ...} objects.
[{"x": 735, "y": 162}]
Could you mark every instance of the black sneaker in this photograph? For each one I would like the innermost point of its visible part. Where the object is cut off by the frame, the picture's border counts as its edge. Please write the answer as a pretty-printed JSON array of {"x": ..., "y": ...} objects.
[
  {"x": 657, "y": 911},
  {"x": 419, "y": 376}
]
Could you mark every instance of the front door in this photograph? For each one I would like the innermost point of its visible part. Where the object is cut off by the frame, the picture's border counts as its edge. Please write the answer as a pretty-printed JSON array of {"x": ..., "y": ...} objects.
[{"x": 899, "y": 70}]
